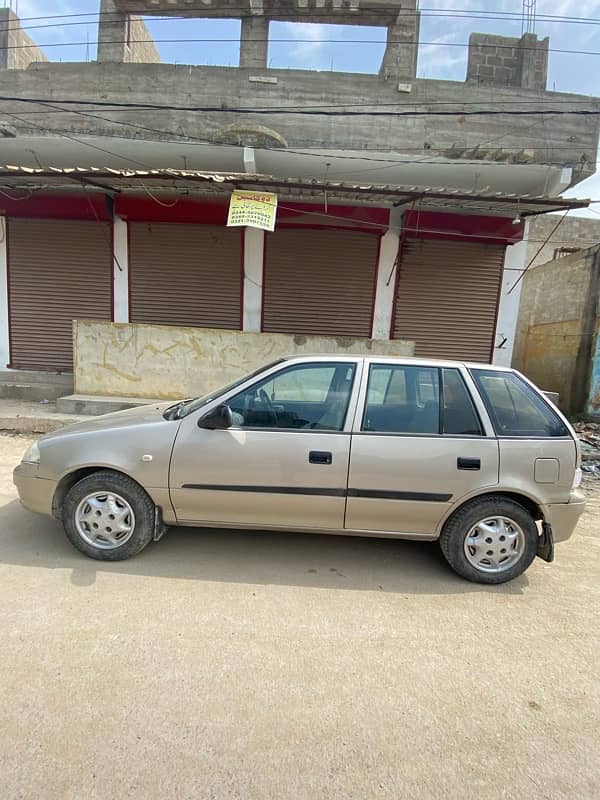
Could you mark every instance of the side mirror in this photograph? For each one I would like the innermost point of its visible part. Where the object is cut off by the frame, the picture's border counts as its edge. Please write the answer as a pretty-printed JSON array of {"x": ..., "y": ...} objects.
[{"x": 219, "y": 418}]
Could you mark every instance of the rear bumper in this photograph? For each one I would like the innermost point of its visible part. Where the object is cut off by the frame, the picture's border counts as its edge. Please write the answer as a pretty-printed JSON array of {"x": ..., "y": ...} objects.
[
  {"x": 35, "y": 493},
  {"x": 563, "y": 517}
]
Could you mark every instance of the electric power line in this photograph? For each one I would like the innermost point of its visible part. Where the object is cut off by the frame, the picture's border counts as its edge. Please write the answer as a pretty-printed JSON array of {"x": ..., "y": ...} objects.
[
  {"x": 539, "y": 250},
  {"x": 307, "y": 111},
  {"x": 230, "y": 40}
]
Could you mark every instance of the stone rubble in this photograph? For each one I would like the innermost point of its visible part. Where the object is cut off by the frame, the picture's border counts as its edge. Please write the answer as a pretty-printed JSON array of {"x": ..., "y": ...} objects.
[{"x": 589, "y": 438}]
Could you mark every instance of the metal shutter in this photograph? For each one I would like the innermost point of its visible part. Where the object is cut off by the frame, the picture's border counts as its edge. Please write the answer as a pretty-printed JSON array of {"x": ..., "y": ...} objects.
[
  {"x": 320, "y": 282},
  {"x": 447, "y": 298},
  {"x": 185, "y": 275},
  {"x": 58, "y": 271}
]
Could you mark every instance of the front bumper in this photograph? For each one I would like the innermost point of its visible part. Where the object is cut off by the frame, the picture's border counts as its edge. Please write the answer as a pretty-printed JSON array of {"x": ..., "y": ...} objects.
[
  {"x": 563, "y": 517},
  {"x": 35, "y": 493}
]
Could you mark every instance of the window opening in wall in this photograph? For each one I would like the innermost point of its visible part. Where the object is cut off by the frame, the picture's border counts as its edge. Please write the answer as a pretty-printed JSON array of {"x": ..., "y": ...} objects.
[
  {"x": 559, "y": 252},
  {"x": 335, "y": 48},
  {"x": 197, "y": 42}
]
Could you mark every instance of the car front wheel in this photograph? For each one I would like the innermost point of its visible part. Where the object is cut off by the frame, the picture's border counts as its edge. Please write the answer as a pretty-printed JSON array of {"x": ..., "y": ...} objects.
[
  {"x": 490, "y": 540},
  {"x": 108, "y": 516}
]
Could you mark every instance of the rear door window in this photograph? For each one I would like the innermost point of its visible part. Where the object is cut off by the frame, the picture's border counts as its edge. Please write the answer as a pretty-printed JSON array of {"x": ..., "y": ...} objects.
[
  {"x": 515, "y": 408},
  {"x": 402, "y": 399},
  {"x": 460, "y": 417}
]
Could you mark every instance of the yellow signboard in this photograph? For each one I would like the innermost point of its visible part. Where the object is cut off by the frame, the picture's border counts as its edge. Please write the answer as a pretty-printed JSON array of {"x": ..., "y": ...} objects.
[{"x": 255, "y": 209}]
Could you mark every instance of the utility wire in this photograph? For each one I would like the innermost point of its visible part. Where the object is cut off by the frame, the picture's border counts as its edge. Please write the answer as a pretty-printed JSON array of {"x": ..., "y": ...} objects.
[
  {"x": 308, "y": 111},
  {"x": 494, "y": 100},
  {"x": 539, "y": 250},
  {"x": 295, "y": 41}
]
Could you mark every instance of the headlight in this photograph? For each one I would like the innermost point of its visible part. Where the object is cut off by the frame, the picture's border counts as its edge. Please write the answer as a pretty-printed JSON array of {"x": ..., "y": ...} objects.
[{"x": 32, "y": 456}]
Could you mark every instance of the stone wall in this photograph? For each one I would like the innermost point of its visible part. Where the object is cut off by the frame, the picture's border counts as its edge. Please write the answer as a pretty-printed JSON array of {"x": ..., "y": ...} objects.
[
  {"x": 17, "y": 49},
  {"x": 158, "y": 361},
  {"x": 508, "y": 61}
]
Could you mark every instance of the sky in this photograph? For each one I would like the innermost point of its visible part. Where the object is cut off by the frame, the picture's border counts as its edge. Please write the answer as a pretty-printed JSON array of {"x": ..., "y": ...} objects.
[{"x": 444, "y": 58}]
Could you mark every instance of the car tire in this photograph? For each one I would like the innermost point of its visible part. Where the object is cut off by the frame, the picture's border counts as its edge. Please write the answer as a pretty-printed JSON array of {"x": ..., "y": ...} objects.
[
  {"x": 477, "y": 529},
  {"x": 108, "y": 516}
]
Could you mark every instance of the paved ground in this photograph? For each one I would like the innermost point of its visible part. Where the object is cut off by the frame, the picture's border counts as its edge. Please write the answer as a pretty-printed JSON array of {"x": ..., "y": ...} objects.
[{"x": 223, "y": 665}]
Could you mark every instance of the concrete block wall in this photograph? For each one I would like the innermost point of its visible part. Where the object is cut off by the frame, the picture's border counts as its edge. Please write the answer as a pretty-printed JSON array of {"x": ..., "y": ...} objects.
[
  {"x": 170, "y": 362},
  {"x": 121, "y": 37},
  {"x": 580, "y": 232},
  {"x": 549, "y": 326},
  {"x": 508, "y": 61},
  {"x": 17, "y": 49}
]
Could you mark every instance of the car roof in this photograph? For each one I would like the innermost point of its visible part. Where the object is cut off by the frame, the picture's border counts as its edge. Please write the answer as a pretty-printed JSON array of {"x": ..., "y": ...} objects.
[{"x": 382, "y": 359}]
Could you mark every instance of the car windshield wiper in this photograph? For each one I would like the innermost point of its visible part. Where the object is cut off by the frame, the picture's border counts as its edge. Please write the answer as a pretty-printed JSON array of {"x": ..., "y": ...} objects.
[{"x": 174, "y": 412}]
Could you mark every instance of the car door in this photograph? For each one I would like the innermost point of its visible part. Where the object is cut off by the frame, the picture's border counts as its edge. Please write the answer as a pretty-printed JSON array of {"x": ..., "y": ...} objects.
[
  {"x": 418, "y": 445},
  {"x": 283, "y": 463}
]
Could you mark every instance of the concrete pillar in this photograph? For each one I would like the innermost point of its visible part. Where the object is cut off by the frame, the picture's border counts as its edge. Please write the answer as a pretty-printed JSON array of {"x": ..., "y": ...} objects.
[
  {"x": 112, "y": 33},
  {"x": 401, "y": 52},
  {"x": 508, "y": 309},
  {"x": 4, "y": 336},
  {"x": 254, "y": 250},
  {"x": 386, "y": 278},
  {"x": 120, "y": 271},
  {"x": 124, "y": 37},
  {"x": 534, "y": 61},
  {"x": 254, "y": 44}
]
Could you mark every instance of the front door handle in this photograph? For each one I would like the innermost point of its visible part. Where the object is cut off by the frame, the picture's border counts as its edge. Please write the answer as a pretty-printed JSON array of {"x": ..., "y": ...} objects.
[
  {"x": 319, "y": 457},
  {"x": 468, "y": 463}
]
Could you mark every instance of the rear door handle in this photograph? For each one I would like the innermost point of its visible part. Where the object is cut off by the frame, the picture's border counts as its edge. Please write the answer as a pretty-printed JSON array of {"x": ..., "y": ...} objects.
[
  {"x": 468, "y": 463},
  {"x": 320, "y": 457}
]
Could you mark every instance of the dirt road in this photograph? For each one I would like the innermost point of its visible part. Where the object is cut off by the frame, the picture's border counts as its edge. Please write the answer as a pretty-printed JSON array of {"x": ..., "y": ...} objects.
[{"x": 231, "y": 665}]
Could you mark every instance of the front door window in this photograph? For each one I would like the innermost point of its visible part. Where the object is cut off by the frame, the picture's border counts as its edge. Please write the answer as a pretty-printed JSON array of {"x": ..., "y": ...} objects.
[{"x": 301, "y": 397}]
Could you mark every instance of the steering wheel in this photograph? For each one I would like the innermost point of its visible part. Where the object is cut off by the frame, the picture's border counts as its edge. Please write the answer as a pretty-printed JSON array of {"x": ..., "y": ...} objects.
[{"x": 266, "y": 401}]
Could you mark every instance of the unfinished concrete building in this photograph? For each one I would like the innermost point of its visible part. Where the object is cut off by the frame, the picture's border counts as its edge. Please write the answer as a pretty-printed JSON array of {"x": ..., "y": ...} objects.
[{"x": 395, "y": 221}]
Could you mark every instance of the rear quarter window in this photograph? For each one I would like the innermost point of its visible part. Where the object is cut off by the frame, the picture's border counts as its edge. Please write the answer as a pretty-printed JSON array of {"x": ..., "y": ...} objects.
[{"x": 515, "y": 408}]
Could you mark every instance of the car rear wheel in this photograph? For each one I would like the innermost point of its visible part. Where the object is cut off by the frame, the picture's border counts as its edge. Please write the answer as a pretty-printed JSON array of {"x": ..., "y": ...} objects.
[
  {"x": 108, "y": 516},
  {"x": 490, "y": 540}
]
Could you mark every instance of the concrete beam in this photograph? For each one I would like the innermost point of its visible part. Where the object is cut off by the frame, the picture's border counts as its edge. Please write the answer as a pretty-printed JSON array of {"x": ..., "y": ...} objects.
[
  {"x": 336, "y": 12},
  {"x": 572, "y": 140}
]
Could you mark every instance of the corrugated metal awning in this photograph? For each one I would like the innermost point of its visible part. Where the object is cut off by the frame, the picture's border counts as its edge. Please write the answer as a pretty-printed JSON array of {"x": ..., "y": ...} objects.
[{"x": 172, "y": 181}]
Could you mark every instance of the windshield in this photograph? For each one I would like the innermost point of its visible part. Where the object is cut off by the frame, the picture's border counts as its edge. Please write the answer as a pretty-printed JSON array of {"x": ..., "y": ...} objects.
[{"x": 186, "y": 407}]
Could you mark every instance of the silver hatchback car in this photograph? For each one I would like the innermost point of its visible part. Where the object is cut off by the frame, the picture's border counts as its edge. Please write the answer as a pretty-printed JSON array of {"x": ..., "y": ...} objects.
[{"x": 468, "y": 454}]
